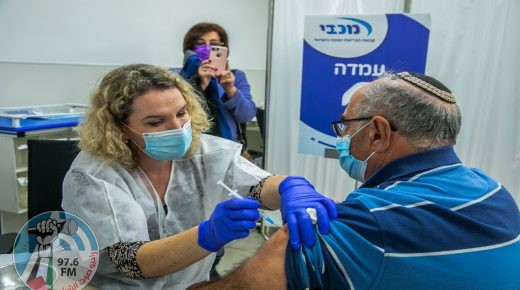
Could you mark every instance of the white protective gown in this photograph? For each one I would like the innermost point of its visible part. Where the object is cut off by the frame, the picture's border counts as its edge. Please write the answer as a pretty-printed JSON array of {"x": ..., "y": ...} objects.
[{"x": 122, "y": 206}]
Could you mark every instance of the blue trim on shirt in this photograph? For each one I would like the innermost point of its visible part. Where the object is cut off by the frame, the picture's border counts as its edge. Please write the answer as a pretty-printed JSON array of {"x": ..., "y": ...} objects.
[{"x": 403, "y": 168}]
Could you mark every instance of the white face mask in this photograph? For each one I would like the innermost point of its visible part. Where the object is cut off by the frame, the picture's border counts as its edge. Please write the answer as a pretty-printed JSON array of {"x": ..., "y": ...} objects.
[{"x": 355, "y": 168}]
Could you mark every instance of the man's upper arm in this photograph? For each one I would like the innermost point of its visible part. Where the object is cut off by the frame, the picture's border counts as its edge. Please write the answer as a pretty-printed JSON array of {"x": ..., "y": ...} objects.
[
  {"x": 264, "y": 270},
  {"x": 348, "y": 257}
]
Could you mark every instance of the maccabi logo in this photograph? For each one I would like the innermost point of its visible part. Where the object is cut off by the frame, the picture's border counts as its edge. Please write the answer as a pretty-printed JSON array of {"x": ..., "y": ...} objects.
[{"x": 350, "y": 29}]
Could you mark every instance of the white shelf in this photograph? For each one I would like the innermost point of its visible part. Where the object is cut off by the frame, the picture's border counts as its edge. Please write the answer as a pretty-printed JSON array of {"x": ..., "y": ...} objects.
[{"x": 13, "y": 166}]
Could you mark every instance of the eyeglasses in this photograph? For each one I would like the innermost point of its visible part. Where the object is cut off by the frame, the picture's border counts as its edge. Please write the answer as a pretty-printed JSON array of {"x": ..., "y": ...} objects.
[
  {"x": 212, "y": 43},
  {"x": 340, "y": 127}
]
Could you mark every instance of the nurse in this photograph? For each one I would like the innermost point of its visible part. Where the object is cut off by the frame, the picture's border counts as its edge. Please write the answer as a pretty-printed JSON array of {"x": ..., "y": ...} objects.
[{"x": 145, "y": 182}]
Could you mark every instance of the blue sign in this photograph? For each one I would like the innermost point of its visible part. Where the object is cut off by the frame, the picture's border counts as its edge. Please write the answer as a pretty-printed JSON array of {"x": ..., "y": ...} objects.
[{"x": 341, "y": 54}]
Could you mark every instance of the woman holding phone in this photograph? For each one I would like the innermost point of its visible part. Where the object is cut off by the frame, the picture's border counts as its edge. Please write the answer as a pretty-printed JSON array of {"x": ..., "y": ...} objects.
[{"x": 227, "y": 92}]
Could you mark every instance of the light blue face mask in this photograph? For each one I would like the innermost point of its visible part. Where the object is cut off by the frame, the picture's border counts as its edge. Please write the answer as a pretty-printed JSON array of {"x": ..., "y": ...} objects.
[
  {"x": 355, "y": 168},
  {"x": 167, "y": 145}
]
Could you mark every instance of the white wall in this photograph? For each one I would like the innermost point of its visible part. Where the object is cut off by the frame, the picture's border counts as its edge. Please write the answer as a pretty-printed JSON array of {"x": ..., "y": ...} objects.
[
  {"x": 28, "y": 84},
  {"x": 54, "y": 51}
]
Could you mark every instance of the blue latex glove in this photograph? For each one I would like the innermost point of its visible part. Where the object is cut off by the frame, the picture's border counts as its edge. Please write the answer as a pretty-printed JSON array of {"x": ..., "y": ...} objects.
[
  {"x": 232, "y": 219},
  {"x": 297, "y": 194}
]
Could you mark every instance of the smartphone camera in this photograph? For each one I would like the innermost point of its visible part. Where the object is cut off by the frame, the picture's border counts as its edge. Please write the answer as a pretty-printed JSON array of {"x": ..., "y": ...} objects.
[{"x": 218, "y": 54}]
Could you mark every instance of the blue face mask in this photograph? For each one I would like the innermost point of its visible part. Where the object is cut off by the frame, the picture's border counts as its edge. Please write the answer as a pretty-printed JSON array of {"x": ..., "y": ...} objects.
[
  {"x": 355, "y": 168},
  {"x": 167, "y": 145}
]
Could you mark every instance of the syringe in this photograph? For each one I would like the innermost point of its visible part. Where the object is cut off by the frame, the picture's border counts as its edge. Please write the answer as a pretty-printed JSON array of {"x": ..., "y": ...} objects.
[{"x": 236, "y": 195}]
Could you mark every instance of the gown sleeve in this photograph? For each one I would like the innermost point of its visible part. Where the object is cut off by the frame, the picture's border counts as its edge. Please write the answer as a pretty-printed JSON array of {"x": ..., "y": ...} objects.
[
  {"x": 244, "y": 174},
  {"x": 105, "y": 202}
]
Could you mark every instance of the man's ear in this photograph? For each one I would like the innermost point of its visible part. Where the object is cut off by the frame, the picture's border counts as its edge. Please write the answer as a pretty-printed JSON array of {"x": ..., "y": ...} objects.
[{"x": 380, "y": 134}]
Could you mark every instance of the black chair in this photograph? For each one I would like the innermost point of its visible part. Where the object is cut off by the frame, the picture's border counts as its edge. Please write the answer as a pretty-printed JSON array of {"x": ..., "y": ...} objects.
[
  {"x": 258, "y": 156},
  {"x": 260, "y": 113},
  {"x": 7, "y": 242},
  {"x": 261, "y": 125},
  {"x": 48, "y": 162}
]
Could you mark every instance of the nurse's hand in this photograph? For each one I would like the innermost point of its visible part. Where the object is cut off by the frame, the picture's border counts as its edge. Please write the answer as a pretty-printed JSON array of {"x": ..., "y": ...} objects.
[
  {"x": 232, "y": 219},
  {"x": 296, "y": 195}
]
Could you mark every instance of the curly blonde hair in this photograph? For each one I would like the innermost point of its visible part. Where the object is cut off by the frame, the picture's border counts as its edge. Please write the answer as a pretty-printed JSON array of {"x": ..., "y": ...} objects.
[{"x": 111, "y": 104}]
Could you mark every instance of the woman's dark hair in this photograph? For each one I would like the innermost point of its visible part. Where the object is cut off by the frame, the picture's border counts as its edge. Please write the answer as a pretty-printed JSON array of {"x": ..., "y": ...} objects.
[{"x": 198, "y": 30}]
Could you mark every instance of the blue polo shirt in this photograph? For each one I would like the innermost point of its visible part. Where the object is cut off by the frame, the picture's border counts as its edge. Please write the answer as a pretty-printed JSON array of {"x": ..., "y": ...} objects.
[{"x": 424, "y": 221}]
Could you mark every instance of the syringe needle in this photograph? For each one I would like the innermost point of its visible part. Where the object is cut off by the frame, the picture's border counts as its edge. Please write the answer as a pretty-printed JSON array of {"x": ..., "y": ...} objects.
[{"x": 236, "y": 195}]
